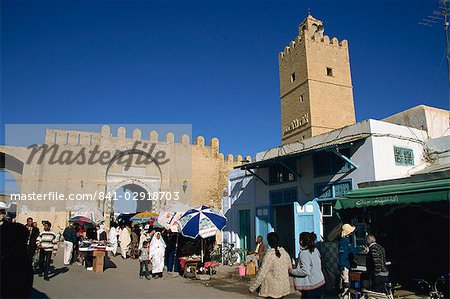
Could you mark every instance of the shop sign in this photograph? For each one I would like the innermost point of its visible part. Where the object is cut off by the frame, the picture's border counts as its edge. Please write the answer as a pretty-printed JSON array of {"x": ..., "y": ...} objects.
[{"x": 377, "y": 201}]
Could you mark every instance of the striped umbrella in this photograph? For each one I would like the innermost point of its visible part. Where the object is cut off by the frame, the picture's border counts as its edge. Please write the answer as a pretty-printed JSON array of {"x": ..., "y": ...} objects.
[
  {"x": 144, "y": 217},
  {"x": 203, "y": 221}
]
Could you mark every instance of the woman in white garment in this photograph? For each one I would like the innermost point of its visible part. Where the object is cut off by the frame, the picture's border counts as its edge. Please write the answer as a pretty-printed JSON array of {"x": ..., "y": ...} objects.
[
  {"x": 113, "y": 239},
  {"x": 157, "y": 251},
  {"x": 125, "y": 240}
]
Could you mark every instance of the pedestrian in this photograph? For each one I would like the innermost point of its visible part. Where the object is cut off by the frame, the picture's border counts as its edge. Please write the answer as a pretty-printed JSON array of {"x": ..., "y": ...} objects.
[
  {"x": 16, "y": 271},
  {"x": 47, "y": 244},
  {"x": 70, "y": 240},
  {"x": 80, "y": 237},
  {"x": 258, "y": 254},
  {"x": 134, "y": 243},
  {"x": 273, "y": 277},
  {"x": 308, "y": 274},
  {"x": 3, "y": 217},
  {"x": 33, "y": 233},
  {"x": 157, "y": 252},
  {"x": 145, "y": 236},
  {"x": 376, "y": 265},
  {"x": 144, "y": 257},
  {"x": 346, "y": 254},
  {"x": 170, "y": 252},
  {"x": 125, "y": 241},
  {"x": 113, "y": 238}
]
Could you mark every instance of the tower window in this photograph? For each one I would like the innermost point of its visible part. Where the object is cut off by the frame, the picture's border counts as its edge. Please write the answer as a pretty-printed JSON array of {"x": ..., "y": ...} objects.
[
  {"x": 301, "y": 98},
  {"x": 293, "y": 77},
  {"x": 329, "y": 71}
]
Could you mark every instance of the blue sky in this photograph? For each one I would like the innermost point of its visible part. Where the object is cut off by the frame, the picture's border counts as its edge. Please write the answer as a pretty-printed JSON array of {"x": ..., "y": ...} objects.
[{"x": 212, "y": 64}]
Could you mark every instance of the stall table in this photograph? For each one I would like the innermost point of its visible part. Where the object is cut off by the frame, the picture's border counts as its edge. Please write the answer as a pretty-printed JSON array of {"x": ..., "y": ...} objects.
[
  {"x": 98, "y": 253},
  {"x": 189, "y": 263}
]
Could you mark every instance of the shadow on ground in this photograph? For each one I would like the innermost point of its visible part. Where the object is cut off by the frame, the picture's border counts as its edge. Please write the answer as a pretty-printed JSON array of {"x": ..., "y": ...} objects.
[
  {"x": 35, "y": 294},
  {"x": 56, "y": 271}
]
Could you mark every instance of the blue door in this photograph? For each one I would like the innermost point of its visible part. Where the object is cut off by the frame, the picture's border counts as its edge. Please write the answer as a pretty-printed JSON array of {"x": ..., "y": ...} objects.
[
  {"x": 306, "y": 219},
  {"x": 262, "y": 222}
]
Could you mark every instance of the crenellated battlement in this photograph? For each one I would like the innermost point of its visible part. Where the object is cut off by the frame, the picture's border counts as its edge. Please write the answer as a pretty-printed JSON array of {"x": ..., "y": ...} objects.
[
  {"x": 316, "y": 37},
  {"x": 84, "y": 138},
  {"x": 311, "y": 29}
]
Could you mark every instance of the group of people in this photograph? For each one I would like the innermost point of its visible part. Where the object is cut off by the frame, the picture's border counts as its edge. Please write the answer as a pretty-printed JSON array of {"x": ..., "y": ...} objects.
[
  {"x": 147, "y": 246},
  {"x": 276, "y": 268},
  {"x": 41, "y": 246},
  {"x": 273, "y": 280},
  {"x": 27, "y": 250},
  {"x": 152, "y": 254},
  {"x": 376, "y": 269}
]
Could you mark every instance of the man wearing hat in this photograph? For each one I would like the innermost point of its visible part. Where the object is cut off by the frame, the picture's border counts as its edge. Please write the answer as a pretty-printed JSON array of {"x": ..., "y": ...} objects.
[{"x": 345, "y": 250}]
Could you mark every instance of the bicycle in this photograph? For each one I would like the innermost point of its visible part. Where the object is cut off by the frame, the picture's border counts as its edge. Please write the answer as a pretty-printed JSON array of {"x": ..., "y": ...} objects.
[
  {"x": 356, "y": 290},
  {"x": 216, "y": 254},
  {"x": 368, "y": 294},
  {"x": 438, "y": 290},
  {"x": 232, "y": 256}
]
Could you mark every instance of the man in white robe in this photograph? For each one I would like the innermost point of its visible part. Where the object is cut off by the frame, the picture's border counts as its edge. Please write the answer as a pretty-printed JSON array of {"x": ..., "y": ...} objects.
[
  {"x": 157, "y": 252},
  {"x": 113, "y": 240},
  {"x": 125, "y": 240}
]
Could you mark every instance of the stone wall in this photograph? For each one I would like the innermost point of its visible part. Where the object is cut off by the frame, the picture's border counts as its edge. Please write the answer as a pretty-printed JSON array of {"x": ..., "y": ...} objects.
[{"x": 198, "y": 171}]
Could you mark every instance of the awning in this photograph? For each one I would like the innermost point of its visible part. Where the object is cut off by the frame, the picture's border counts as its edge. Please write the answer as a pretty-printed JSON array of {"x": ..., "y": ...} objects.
[
  {"x": 427, "y": 191},
  {"x": 286, "y": 152}
]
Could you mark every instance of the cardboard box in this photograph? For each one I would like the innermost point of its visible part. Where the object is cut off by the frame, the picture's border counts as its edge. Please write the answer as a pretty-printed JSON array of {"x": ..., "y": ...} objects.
[
  {"x": 99, "y": 260},
  {"x": 251, "y": 269}
]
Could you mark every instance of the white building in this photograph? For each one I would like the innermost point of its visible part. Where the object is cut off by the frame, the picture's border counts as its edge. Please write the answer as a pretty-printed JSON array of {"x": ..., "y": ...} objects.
[{"x": 268, "y": 193}]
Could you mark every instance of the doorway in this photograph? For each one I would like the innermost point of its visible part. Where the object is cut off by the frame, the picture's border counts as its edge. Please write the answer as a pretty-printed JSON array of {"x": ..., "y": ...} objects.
[
  {"x": 244, "y": 229},
  {"x": 283, "y": 218}
]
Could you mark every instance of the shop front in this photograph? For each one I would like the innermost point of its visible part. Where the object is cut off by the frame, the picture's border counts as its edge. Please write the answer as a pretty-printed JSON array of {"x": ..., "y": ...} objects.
[{"x": 410, "y": 219}]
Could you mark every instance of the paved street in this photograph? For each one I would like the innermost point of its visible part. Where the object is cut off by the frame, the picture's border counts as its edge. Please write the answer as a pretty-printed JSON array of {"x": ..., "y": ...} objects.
[
  {"x": 123, "y": 281},
  {"x": 76, "y": 282}
]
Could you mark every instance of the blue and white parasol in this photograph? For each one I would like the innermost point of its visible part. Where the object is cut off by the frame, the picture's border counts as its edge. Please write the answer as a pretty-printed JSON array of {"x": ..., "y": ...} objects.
[{"x": 203, "y": 221}]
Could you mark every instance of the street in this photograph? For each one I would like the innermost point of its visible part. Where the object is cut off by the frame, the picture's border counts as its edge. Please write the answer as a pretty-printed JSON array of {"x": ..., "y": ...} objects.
[{"x": 123, "y": 282}]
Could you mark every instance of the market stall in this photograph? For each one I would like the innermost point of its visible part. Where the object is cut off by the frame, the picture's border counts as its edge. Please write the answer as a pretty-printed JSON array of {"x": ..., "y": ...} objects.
[
  {"x": 168, "y": 219},
  {"x": 94, "y": 254},
  {"x": 409, "y": 217},
  {"x": 204, "y": 222}
]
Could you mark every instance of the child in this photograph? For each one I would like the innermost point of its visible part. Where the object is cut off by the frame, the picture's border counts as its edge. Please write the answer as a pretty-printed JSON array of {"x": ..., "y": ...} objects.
[{"x": 143, "y": 260}]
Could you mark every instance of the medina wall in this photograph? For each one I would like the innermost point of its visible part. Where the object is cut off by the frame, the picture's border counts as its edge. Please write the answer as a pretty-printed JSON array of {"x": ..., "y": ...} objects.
[{"x": 197, "y": 172}]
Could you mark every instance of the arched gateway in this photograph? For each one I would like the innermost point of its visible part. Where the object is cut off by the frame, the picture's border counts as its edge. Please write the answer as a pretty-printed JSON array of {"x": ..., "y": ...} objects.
[{"x": 95, "y": 165}]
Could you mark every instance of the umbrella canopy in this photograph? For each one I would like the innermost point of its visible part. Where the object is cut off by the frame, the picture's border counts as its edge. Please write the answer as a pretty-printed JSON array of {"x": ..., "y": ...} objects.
[
  {"x": 125, "y": 217},
  {"x": 169, "y": 215},
  {"x": 4, "y": 206},
  {"x": 203, "y": 221},
  {"x": 144, "y": 217},
  {"x": 93, "y": 213},
  {"x": 155, "y": 224},
  {"x": 80, "y": 219}
]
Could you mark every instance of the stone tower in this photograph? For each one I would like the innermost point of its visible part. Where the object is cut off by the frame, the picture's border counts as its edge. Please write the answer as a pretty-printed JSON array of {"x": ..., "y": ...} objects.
[{"x": 315, "y": 84}]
